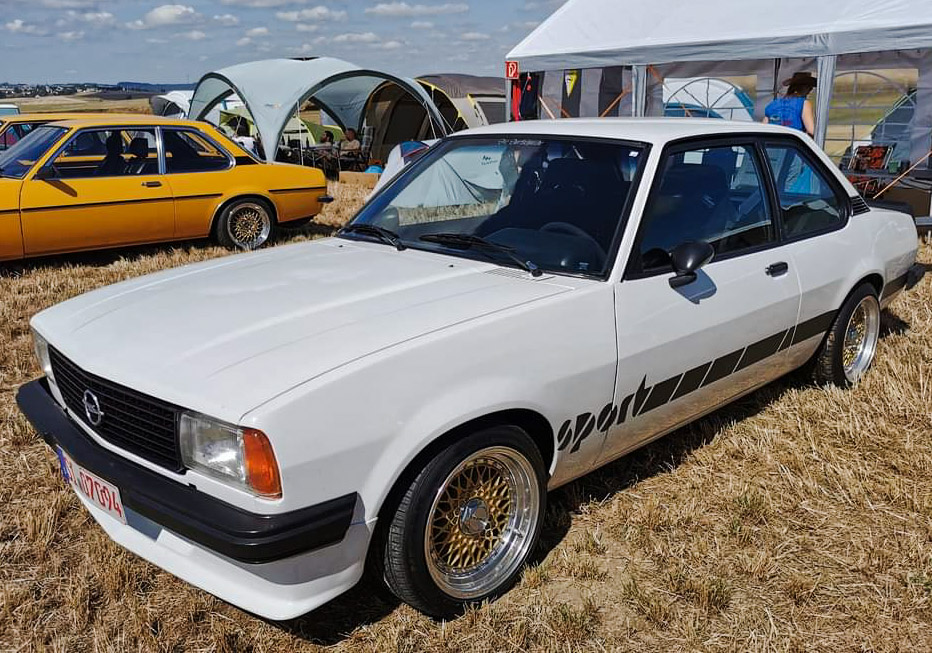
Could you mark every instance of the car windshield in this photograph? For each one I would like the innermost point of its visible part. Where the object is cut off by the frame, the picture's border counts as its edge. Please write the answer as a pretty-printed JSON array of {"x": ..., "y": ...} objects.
[
  {"x": 551, "y": 204},
  {"x": 19, "y": 159}
]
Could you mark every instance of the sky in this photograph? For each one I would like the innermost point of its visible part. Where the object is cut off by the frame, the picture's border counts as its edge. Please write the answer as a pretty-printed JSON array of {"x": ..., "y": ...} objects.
[{"x": 108, "y": 41}]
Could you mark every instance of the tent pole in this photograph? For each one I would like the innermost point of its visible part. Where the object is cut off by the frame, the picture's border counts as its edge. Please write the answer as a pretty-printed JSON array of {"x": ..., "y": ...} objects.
[
  {"x": 826, "y": 84},
  {"x": 507, "y": 100},
  {"x": 297, "y": 115},
  {"x": 639, "y": 85}
]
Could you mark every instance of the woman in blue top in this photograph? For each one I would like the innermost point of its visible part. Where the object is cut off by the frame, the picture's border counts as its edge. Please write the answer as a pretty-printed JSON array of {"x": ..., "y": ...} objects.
[{"x": 793, "y": 109}]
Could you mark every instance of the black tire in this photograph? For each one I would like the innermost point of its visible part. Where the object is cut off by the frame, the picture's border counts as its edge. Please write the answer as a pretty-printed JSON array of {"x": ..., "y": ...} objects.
[
  {"x": 400, "y": 551},
  {"x": 245, "y": 224},
  {"x": 828, "y": 365}
]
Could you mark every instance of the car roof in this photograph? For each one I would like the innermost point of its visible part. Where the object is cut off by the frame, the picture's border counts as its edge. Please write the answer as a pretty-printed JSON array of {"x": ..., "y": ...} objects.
[
  {"x": 120, "y": 120},
  {"x": 646, "y": 130}
]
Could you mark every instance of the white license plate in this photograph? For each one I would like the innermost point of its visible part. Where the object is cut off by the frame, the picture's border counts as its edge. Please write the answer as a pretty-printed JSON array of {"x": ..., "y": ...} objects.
[{"x": 102, "y": 494}]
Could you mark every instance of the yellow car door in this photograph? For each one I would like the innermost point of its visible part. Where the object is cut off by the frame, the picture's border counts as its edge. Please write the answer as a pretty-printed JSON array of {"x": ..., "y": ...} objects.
[
  {"x": 96, "y": 192},
  {"x": 199, "y": 170}
]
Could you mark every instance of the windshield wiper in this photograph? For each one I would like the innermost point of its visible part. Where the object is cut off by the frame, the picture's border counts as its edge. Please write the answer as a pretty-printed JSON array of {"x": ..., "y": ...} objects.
[
  {"x": 466, "y": 241},
  {"x": 383, "y": 234}
]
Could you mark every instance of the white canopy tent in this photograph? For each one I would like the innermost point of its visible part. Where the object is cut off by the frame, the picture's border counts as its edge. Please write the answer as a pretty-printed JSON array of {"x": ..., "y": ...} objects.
[
  {"x": 274, "y": 89},
  {"x": 734, "y": 37}
]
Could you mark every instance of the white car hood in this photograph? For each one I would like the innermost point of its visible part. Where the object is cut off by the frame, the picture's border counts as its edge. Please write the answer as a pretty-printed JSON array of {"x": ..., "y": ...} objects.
[{"x": 224, "y": 336}]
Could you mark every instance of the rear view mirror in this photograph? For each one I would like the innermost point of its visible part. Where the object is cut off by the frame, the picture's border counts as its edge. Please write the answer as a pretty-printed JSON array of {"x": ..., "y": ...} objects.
[{"x": 687, "y": 258}]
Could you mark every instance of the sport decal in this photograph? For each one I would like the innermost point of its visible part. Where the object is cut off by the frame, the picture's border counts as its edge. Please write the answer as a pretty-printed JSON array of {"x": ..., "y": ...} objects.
[{"x": 646, "y": 398}]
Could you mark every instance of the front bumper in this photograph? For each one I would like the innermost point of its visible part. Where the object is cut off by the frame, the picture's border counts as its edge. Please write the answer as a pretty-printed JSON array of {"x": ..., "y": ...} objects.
[{"x": 216, "y": 525}]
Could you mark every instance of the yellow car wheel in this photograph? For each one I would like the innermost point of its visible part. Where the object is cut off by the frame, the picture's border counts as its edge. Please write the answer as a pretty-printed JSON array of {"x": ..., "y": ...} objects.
[{"x": 245, "y": 224}]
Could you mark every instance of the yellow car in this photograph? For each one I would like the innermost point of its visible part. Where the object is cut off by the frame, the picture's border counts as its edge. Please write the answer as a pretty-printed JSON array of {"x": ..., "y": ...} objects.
[{"x": 109, "y": 181}]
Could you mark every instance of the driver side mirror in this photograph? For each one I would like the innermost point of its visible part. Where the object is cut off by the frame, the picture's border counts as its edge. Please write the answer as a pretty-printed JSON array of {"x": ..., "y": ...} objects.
[
  {"x": 687, "y": 258},
  {"x": 45, "y": 173}
]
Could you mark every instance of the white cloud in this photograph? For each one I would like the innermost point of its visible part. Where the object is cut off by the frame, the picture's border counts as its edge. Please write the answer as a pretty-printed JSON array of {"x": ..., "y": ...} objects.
[
  {"x": 192, "y": 35},
  {"x": 68, "y": 4},
  {"x": 18, "y": 26},
  {"x": 244, "y": 41},
  {"x": 91, "y": 18},
  {"x": 263, "y": 4},
  {"x": 313, "y": 13},
  {"x": 422, "y": 24},
  {"x": 71, "y": 36},
  {"x": 404, "y": 9},
  {"x": 257, "y": 31},
  {"x": 356, "y": 37},
  {"x": 474, "y": 36},
  {"x": 227, "y": 20},
  {"x": 388, "y": 45},
  {"x": 305, "y": 27},
  {"x": 165, "y": 15}
]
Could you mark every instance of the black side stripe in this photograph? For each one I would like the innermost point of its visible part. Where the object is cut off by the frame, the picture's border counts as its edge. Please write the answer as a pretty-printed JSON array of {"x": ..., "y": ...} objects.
[
  {"x": 167, "y": 198},
  {"x": 893, "y": 287},
  {"x": 199, "y": 197},
  {"x": 812, "y": 327},
  {"x": 297, "y": 190},
  {"x": 761, "y": 350},
  {"x": 647, "y": 398},
  {"x": 723, "y": 367}
]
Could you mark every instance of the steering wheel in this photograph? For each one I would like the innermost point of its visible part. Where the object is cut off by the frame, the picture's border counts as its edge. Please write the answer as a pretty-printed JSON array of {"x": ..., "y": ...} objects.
[{"x": 572, "y": 230}]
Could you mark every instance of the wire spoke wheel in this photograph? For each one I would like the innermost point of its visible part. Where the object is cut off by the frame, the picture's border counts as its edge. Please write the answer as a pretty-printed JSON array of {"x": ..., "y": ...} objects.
[
  {"x": 482, "y": 522},
  {"x": 860, "y": 338},
  {"x": 249, "y": 225}
]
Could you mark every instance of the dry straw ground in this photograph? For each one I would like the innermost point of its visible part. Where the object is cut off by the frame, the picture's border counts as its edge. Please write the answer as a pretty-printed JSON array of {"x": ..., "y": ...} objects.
[{"x": 799, "y": 518}]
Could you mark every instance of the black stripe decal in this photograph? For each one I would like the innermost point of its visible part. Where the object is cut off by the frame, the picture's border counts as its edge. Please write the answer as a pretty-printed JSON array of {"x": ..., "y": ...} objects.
[
  {"x": 788, "y": 339},
  {"x": 691, "y": 380},
  {"x": 200, "y": 197},
  {"x": 660, "y": 394},
  {"x": 812, "y": 327},
  {"x": 298, "y": 190},
  {"x": 9, "y": 211},
  {"x": 96, "y": 204},
  {"x": 894, "y": 286},
  {"x": 722, "y": 367},
  {"x": 761, "y": 350}
]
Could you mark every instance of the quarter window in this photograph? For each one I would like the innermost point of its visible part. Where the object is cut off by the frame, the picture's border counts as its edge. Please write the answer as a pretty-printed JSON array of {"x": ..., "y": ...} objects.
[
  {"x": 188, "y": 151},
  {"x": 711, "y": 194},
  {"x": 807, "y": 200}
]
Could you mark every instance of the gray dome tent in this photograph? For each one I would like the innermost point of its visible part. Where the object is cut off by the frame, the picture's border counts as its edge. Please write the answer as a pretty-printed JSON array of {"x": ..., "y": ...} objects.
[{"x": 273, "y": 89}]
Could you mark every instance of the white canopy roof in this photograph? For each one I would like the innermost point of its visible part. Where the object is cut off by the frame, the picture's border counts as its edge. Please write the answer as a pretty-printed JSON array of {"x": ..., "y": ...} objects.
[
  {"x": 598, "y": 33},
  {"x": 274, "y": 88}
]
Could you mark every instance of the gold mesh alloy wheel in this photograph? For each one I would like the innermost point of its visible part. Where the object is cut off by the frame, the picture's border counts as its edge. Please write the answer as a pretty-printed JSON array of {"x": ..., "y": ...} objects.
[
  {"x": 481, "y": 524},
  {"x": 249, "y": 225},
  {"x": 860, "y": 342}
]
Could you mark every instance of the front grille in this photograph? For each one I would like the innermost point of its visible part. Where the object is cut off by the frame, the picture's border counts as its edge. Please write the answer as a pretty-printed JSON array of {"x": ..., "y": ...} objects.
[{"x": 131, "y": 420}]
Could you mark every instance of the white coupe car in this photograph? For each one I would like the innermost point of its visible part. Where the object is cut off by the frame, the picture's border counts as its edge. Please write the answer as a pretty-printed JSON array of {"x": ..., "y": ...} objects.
[{"x": 521, "y": 305}]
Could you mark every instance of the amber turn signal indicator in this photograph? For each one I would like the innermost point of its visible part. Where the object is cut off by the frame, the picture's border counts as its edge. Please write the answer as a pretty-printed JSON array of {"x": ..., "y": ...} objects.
[{"x": 261, "y": 467}]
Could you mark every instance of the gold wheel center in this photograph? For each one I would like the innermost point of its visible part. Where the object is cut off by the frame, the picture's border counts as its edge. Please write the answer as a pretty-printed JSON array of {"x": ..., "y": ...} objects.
[
  {"x": 471, "y": 515},
  {"x": 247, "y": 226},
  {"x": 854, "y": 337}
]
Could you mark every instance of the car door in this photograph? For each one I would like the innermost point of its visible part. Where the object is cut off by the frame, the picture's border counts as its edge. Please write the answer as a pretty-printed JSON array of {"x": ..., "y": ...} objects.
[
  {"x": 96, "y": 192},
  {"x": 198, "y": 168},
  {"x": 813, "y": 211},
  {"x": 684, "y": 351}
]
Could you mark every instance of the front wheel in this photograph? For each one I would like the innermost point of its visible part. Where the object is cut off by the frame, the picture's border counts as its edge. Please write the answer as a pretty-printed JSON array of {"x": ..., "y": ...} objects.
[
  {"x": 245, "y": 224},
  {"x": 467, "y": 523},
  {"x": 851, "y": 344}
]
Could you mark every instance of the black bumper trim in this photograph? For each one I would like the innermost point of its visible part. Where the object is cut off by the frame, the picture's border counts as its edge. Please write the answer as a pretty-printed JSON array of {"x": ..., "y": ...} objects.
[
  {"x": 212, "y": 523},
  {"x": 914, "y": 275}
]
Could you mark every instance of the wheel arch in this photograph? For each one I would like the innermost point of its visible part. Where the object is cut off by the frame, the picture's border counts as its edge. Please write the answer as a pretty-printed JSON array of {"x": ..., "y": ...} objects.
[{"x": 531, "y": 421}]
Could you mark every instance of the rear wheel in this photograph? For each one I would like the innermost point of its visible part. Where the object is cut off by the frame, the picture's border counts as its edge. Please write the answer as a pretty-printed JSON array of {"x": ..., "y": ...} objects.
[
  {"x": 467, "y": 523},
  {"x": 851, "y": 344},
  {"x": 245, "y": 224}
]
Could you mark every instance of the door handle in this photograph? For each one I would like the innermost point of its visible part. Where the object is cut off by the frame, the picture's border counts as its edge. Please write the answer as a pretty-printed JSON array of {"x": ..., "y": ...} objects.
[
  {"x": 777, "y": 269},
  {"x": 152, "y": 184}
]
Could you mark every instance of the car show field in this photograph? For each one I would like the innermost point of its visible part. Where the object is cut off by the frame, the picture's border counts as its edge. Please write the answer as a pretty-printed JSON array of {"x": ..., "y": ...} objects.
[{"x": 796, "y": 510}]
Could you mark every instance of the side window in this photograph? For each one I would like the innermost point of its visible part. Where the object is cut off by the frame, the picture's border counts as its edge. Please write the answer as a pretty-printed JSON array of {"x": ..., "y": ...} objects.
[
  {"x": 188, "y": 151},
  {"x": 807, "y": 200},
  {"x": 711, "y": 194},
  {"x": 108, "y": 153}
]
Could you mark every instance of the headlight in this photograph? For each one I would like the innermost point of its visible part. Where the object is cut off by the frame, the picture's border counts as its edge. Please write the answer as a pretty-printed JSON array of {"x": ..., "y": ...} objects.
[
  {"x": 238, "y": 456},
  {"x": 42, "y": 354}
]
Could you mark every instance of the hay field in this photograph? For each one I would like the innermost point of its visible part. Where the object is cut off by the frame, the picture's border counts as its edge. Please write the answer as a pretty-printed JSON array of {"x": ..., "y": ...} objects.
[{"x": 798, "y": 519}]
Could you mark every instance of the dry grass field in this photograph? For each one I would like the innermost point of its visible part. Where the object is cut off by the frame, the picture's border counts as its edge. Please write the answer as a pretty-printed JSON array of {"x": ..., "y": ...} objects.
[{"x": 799, "y": 518}]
